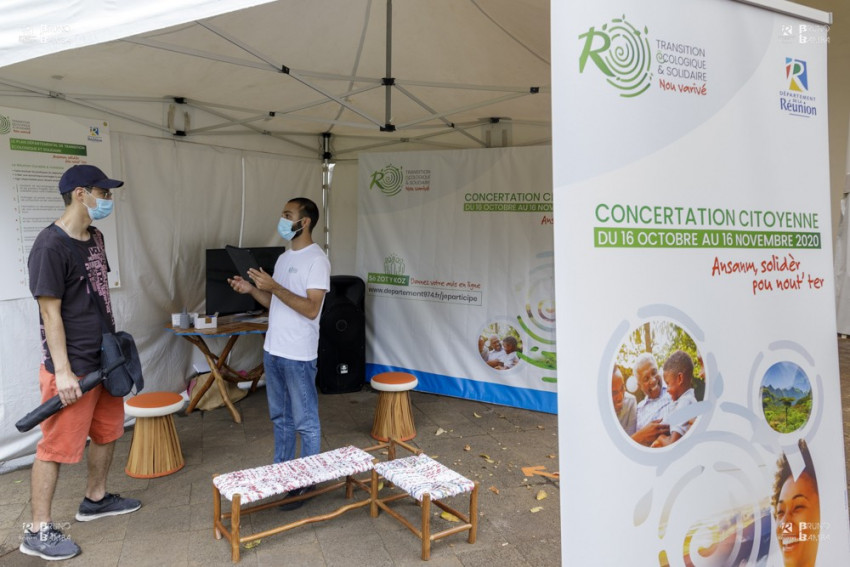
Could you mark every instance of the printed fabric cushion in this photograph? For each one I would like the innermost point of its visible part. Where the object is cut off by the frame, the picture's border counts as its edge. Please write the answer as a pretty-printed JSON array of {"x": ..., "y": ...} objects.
[
  {"x": 421, "y": 474},
  {"x": 270, "y": 480}
]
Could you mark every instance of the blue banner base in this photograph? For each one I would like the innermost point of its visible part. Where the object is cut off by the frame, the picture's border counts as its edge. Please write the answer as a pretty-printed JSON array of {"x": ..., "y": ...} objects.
[{"x": 474, "y": 389}]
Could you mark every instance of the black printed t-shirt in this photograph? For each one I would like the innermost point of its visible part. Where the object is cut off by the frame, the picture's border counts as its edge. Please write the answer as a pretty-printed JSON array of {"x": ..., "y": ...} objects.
[{"x": 55, "y": 271}]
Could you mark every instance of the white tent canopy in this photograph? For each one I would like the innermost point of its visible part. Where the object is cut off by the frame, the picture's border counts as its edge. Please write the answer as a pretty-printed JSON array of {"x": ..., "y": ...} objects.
[
  {"x": 32, "y": 29},
  {"x": 374, "y": 74}
]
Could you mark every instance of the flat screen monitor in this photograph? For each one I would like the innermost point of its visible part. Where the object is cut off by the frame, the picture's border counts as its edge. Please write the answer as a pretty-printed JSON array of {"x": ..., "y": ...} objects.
[{"x": 221, "y": 298}]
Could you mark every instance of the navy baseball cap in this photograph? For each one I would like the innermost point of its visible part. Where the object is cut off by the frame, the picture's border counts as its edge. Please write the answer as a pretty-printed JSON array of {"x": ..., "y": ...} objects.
[{"x": 86, "y": 176}]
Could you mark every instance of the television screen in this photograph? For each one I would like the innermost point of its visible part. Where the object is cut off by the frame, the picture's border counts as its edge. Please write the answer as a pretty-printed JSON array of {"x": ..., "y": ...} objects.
[{"x": 221, "y": 298}]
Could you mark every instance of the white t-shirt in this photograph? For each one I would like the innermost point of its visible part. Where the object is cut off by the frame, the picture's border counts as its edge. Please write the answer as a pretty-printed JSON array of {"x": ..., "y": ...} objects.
[
  {"x": 290, "y": 334},
  {"x": 498, "y": 355}
]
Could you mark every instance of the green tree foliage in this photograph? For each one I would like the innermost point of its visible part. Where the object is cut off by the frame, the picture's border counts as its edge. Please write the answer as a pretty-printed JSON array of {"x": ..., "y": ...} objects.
[{"x": 785, "y": 414}]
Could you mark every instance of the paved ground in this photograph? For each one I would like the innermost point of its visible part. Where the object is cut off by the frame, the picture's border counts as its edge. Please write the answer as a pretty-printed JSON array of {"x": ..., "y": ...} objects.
[{"x": 174, "y": 526}]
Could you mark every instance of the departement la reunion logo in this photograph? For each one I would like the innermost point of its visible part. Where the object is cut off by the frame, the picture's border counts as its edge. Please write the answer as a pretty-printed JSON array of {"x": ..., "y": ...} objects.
[
  {"x": 388, "y": 180},
  {"x": 621, "y": 52},
  {"x": 5, "y": 124},
  {"x": 796, "y": 99}
]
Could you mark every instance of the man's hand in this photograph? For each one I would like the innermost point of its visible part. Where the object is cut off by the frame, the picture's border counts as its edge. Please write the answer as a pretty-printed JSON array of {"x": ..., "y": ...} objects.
[
  {"x": 662, "y": 441},
  {"x": 68, "y": 387},
  {"x": 240, "y": 285},
  {"x": 650, "y": 432},
  {"x": 262, "y": 280}
]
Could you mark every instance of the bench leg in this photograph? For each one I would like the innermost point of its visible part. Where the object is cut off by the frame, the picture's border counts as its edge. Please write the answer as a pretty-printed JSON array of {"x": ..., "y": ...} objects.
[
  {"x": 235, "y": 513},
  {"x": 473, "y": 514},
  {"x": 426, "y": 527},
  {"x": 216, "y": 512},
  {"x": 373, "y": 495}
]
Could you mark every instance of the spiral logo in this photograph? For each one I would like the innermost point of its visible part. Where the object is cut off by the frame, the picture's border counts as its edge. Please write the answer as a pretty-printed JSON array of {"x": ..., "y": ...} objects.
[
  {"x": 389, "y": 180},
  {"x": 5, "y": 124},
  {"x": 621, "y": 52}
]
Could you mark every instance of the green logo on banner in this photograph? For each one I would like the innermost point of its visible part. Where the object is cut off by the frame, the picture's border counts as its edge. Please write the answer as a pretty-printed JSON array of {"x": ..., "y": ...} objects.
[
  {"x": 389, "y": 180},
  {"x": 621, "y": 52},
  {"x": 394, "y": 268}
]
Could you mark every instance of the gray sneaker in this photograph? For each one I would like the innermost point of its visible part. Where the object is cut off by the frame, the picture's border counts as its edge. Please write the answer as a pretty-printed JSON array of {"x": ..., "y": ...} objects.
[
  {"x": 49, "y": 543},
  {"x": 109, "y": 505}
]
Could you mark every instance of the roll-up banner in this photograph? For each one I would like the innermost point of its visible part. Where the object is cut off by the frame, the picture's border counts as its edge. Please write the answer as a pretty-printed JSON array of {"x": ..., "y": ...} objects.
[
  {"x": 700, "y": 423},
  {"x": 456, "y": 249}
]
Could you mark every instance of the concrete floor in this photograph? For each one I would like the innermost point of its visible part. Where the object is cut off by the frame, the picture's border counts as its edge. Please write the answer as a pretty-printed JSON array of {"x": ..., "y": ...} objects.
[{"x": 487, "y": 443}]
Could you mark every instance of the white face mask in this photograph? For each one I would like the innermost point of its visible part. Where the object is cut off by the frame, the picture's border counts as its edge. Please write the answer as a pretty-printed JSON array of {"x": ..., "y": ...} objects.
[
  {"x": 102, "y": 208},
  {"x": 285, "y": 230}
]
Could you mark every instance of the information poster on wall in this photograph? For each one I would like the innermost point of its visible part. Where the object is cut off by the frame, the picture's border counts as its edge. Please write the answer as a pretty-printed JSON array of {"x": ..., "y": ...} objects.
[
  {"x": 700, "y": 424},
  {"x": 456, "y": 250},
  {"x": 35, "y": 149}
]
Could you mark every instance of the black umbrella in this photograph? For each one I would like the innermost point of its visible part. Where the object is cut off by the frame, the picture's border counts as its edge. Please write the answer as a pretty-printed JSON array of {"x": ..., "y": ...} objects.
[{"x": 53, "y": 405}]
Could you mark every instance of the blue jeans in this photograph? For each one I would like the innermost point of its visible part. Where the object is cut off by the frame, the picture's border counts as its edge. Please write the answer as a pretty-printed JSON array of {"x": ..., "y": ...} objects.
[{"x": 293, "y": 405}]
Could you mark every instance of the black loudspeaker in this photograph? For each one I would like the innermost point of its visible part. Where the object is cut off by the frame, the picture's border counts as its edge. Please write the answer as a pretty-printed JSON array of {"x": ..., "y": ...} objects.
[{"x": 342, "y": 337}]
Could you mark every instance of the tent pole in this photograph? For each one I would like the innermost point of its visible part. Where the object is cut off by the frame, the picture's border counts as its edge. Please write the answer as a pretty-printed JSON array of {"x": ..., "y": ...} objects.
[
  {"x": 327, "y": 176},
  {"x": 388, "y": 76}
]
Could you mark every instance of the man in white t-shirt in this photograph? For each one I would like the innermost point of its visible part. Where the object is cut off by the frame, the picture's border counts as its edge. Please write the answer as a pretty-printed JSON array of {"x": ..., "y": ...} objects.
[{"x": 294, "y": 295}]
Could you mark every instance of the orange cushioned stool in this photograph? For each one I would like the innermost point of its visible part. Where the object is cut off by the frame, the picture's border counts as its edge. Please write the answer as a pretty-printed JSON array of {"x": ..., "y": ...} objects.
[
  {"x": 393, "y": 416},
  {"x": 155, "y": 450}
]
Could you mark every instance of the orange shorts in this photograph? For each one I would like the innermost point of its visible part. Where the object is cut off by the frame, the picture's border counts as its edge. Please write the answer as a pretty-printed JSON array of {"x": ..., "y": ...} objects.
[{"x": 97, "y": 414}]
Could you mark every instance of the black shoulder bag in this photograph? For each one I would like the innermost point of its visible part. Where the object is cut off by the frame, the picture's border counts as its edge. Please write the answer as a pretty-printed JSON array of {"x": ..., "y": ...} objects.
[{"x": 120, "y": 366}]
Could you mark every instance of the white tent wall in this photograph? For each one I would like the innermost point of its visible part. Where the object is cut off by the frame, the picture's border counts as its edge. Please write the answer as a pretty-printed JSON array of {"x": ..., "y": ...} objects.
[
  {"x": 179, "y": 199},
  {"x": 343, "y": 218}
]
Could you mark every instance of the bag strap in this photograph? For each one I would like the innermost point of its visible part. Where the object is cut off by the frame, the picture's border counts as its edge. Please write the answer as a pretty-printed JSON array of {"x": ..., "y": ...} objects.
[{"x": 68, "y": 243}]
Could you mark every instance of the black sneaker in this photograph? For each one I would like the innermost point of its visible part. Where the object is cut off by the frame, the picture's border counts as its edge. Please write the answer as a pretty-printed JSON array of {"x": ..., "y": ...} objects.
[
  {"x": 289, "y": 506},
  {"x": 109, "y": 505},
  {"x": 49, "y": 543}
]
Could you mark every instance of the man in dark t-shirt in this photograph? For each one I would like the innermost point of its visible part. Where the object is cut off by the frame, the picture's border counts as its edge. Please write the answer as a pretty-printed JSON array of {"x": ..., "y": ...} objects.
[{"x": 67, "y": 274}]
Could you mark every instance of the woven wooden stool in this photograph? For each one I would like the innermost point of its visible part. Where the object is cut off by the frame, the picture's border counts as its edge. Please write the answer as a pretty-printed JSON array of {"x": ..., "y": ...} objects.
[
  {"x": 393, "y": 416},
  {"x": 155, "y": 450},
  {"x": 428, "y": 482}
]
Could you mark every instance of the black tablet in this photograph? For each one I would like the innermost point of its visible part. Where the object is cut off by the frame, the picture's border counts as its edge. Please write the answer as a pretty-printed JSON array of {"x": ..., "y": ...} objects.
[{"x": 243, "y": 259}]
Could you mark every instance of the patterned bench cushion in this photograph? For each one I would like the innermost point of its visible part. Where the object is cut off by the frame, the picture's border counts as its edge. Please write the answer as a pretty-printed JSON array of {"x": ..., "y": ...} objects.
[
  {"x": 421, "y": 474},
  {"x": 270, "y": 480}
]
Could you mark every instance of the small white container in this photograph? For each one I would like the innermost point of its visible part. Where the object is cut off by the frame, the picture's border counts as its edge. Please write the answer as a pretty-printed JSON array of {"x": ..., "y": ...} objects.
[{"x": 206, "y": 322}]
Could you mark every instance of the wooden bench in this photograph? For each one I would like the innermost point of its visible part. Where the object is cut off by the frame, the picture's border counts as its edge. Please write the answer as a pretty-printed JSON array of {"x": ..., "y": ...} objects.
[
  {"x": 426, "y": 481},
  {"x": 262, "y": 483}
]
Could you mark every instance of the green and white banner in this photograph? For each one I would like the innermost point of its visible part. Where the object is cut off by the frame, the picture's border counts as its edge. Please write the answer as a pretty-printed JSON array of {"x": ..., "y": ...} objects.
[
  {"x": 456, "y": 250},
  {"x": 701, "y": 422}
]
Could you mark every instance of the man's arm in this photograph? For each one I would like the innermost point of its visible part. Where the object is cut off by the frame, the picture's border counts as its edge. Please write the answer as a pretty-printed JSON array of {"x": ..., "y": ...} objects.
[
  {"x": 67, "y": 384},
  {"x": 308, "y": 306}
]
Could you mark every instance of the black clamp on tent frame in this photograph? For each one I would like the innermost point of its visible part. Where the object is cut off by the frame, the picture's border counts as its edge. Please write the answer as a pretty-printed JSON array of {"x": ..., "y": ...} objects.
[
  {"x": 180, "y": 100},
  {"x": 326, "y": 146}
]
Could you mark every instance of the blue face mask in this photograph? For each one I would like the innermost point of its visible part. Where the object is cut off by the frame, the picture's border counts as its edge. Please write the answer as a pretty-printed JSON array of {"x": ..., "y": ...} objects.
[
  {"x": 284, "y": 229},
  {"x": 101, "y": 210}
]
